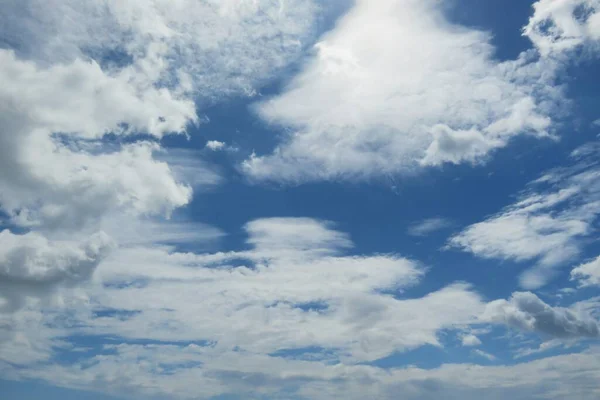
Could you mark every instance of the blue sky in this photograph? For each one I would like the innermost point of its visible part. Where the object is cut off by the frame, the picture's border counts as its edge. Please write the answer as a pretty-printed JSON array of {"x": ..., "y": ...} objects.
[{"x": 299, "y": 200}]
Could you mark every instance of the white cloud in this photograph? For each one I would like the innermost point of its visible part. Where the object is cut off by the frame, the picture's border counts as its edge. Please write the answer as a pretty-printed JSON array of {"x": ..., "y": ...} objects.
[
  {"x": 291, "y": 315},
  {"x": 293, "y": 290},
  {"x": 82, "y": 69},
  {"x": 211, "y": 48},
  {"x": 471, "y": 341},
  {"x": 587, "y": 274},
  {"x": 26, "y": 338},
  {"x": 122, "y": 67},
  {"x": 428, "y": 226},
  {"x": 82, "y": 99},
  {"x": 452, "y": 146},
  {"x": 62, "y": 183},
  {"x": 545, "y": 346},
  {"x": 481, "y": 353},
  {"x": 215, "y": 145},
  {"x": 292, "y": 235},
  {"x": 188, "y": 166},
  {"x": 546, "y": 224},
  {"x": 30, "y": 265},
  {"x": 414, "y": 89},
  {"x": 589, "y": 306},
  {"x": 559, "y": 25},
  {"x": 160, "y": 371},
  {"x": 67, "y": 180},
  {"x": 525, "y": 311}
]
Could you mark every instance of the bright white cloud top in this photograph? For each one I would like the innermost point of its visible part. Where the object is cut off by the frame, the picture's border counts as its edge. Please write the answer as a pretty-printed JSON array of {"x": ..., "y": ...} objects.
[
  {"x": 562, "y": 25},
  {"x": 444, "y": 99},
  {"x": 149, "y": 252}
]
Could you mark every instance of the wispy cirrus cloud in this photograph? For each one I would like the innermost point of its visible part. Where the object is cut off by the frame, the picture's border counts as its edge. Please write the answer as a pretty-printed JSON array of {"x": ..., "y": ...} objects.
[
  {"x": 428, "y": 226},
  {"x": 547, "y": 225}
]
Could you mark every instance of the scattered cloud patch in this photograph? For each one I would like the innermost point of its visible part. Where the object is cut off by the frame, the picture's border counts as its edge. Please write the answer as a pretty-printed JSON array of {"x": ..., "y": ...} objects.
[
  {"x": 215, "y": 145},
  {"x": 527, "y": 312},
  {"x": 587, "y": 274},
  {"x": 292, "y": 262},
  {"x": 429, "y": 226},
  {"x": 546, "y": 225},
  {"x": 543, "y": 347},
  {"x": 470, "y": 341},
  {"x": 560, "y": 25},
  {"x": 30, "y": 265},
  {"x": 487, "y": 356}
]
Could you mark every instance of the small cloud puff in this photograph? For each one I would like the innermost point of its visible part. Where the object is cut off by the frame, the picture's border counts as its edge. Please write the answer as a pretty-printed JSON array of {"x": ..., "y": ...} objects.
[
  {"x": 215, "y": 145},
  {"x": 428, "y": 226},
  {"x": 587, "y": 274},
  {"x": 32, "y": 266},
  {"x": 471, "y": 341},
  {"x": 485, "y": 355}
]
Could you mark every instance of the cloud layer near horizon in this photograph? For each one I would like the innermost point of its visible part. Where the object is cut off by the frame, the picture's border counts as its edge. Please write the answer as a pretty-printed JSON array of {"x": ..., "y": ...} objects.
[{"x": 290, "y": 306}]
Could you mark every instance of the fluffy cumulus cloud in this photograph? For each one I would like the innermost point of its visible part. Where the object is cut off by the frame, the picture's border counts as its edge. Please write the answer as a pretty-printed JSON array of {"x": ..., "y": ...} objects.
[
  {"x": 429, "y": 226},
  {"x": 587, "y": 274},
  {"x": 50, "y": 120},
  {"x": 215, "y": 145},
  {"x": 74, "y": 71},
  {"x": 60, "y": 180},
  {"x": 547, "y": 224},
  {"x": 559, "y": 25},
  {"x": 470, "y": 340},
  {"x": 527, "y": 312},
  {"x": 122, "y": 67},
  {"x": 30, "y": 264},
  {"x": 413, "y": 90}
]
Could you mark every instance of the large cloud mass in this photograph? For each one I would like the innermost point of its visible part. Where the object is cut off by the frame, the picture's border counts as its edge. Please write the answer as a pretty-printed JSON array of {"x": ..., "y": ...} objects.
[
  {"x": 83, "y": 81},
  {"x": 412, "y": 89}
]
